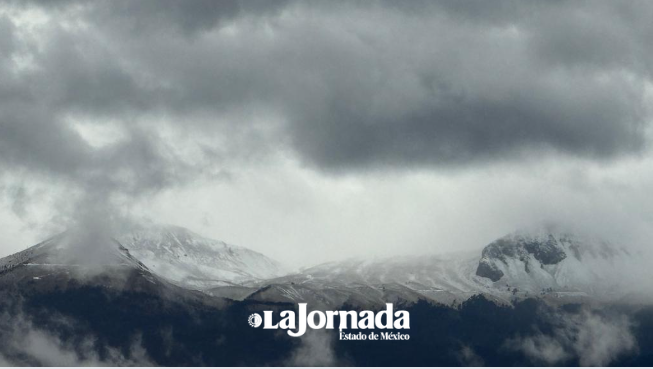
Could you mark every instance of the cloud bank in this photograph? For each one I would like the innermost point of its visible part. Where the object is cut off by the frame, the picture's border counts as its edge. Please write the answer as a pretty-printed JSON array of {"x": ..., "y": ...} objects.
[{"x": 106, "y": 104}]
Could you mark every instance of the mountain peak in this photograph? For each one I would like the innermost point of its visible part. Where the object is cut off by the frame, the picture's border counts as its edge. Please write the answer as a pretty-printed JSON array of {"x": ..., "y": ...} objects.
[
  {"x": 194, "y": 261},
  {"x": 551, "y": 257},
  {"x": 174, "y": 253},
  {"x": 71, "y": 248},
  {"x": 543, "y": 245}
]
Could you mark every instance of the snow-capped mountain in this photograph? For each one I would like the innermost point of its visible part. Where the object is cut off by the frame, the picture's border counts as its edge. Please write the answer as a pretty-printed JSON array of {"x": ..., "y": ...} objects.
[
  {"x": 74, "y": 287},
  {"x": 168, "y": 252},
  {"x": 543, "y": 262},
  {"x": 447, "y": 279},
  {"x": 62, "y": 262},
  {"x": 551, "y": 259},
  {"x": 63, "y": 251},
  {"x": 197, "y": 262},
  {"x": 443, "y": 278}
]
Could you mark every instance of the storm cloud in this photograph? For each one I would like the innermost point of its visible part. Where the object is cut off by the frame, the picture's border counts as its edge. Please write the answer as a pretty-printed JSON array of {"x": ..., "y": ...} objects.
[
  {"x": 117, "y": 101},
  {"x": 350, "y": 85}
]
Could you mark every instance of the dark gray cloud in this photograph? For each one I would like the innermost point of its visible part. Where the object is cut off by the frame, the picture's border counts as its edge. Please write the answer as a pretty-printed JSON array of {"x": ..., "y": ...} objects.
[
  {"x": 342, "y": 86},
  {"x": 356, "y": 85},
  {"x": 189, "y": 17}
]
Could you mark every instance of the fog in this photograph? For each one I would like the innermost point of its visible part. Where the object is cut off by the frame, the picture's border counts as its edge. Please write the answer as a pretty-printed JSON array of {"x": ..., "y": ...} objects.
[{"x": 595, "y": 339}]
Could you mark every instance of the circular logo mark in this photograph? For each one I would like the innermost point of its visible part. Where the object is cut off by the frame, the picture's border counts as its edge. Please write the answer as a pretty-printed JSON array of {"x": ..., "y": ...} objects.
[{"x": 255, "y": 320}]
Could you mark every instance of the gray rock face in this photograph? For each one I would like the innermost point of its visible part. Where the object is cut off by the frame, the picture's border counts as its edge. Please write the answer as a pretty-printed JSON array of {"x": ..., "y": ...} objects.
[
  {"x": 551, "y": 260},
  {"x": 546, "y": 250},
  {"x": 545, "y": 247},
  {"x": 488, "y": 270}
]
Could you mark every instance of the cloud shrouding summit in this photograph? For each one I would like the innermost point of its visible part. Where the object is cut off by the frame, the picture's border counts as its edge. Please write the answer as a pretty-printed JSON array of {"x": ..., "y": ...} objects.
[{"x": 116, "y": 101}]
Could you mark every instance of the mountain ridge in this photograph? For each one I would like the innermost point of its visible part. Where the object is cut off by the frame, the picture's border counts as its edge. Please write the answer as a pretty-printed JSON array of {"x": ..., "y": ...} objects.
[
  {"x": 544, "y": 262},
  {"x": 194, "y": 261}
]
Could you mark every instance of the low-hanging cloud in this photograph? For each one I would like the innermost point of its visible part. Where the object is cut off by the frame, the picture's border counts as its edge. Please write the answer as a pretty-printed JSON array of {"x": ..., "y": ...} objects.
[
  {"x": 591, "y": 338},
  {"x": 467, "y": 357},
  {"x": 315, "y": 349},
  {"x": 23, "y": 344}
]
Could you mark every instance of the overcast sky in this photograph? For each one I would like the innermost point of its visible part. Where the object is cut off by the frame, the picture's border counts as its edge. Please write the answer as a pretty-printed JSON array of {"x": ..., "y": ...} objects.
[{"x": 312, "y": 131}]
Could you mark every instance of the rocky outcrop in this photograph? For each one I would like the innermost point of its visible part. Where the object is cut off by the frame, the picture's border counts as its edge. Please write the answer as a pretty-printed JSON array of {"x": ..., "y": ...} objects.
[
  {"x": 544, "y": 248},
  {"x": 487, "y": 269}
]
